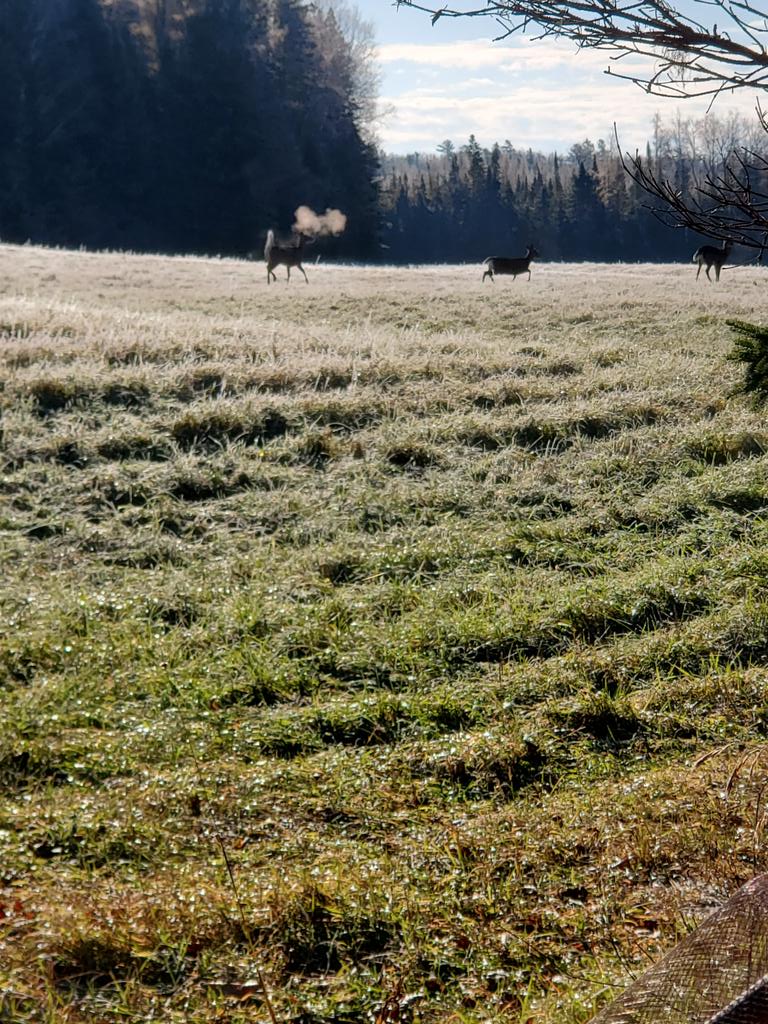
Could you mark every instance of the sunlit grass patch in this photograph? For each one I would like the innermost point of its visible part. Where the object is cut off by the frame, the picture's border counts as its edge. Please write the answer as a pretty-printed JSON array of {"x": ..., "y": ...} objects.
[{"x": 716, "y": 448}]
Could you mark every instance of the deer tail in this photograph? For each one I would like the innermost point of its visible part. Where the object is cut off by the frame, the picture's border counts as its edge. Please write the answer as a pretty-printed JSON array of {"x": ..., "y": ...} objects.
[{"x": 269, "y": 244}]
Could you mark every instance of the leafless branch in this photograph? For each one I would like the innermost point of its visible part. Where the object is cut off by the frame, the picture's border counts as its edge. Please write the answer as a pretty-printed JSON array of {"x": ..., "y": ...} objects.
[
  {"x": 690, "y": 57},
  {"x": 730, "y": 203}
]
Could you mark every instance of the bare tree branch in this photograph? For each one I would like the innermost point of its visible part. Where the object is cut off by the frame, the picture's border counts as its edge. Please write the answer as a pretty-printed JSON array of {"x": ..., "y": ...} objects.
[
  {"x": 729, "y": 204},
  {"x": 692, "y": 57}
]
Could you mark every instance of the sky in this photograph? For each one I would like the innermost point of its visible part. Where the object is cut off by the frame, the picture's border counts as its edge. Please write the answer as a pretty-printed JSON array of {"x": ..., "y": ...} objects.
[{"x": 450, "y": 80}]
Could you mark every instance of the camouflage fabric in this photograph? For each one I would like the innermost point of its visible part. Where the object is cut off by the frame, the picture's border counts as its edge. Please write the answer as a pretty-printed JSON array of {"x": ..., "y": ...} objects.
[{"x": 717, "y": 975}]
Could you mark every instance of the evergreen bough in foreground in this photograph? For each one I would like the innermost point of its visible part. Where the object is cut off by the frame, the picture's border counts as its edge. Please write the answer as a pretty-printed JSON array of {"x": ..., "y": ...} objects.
[{"x": 750, "y": 347}]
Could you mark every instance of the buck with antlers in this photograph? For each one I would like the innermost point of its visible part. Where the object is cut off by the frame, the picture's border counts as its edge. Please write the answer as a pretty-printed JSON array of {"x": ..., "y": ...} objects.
[
  {"x": 513, "y": 265},
  {"x": 710, "y": 256},
  {"x": 289, "y": 255}
]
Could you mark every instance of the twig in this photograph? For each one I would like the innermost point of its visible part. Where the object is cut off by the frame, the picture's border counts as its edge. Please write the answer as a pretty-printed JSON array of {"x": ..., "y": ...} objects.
[{"x": 246, "y": 929}]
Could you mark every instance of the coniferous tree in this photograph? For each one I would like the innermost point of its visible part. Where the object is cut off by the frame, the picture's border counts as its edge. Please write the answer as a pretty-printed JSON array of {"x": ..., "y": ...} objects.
[
  {"x": 213, "y": 130},
  {"x": 14, "y": 45},
  {"x": 66, "y": 137},
  {"x": 180, "y": 127}
]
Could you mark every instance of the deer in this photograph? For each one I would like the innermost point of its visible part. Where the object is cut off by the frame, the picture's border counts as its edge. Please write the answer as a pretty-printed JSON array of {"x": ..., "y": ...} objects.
[
  {"x": 290, "y": 255},
  {"x": 710, "y": 256},
  {"x": 513, "y": 265}
]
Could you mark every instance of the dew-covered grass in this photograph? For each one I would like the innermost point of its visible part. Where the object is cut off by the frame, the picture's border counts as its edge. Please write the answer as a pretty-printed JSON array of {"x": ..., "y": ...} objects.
[{"x": 435, "y": 612}]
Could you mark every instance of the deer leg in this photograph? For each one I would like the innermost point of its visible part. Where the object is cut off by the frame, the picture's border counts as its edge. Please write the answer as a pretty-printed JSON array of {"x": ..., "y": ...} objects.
[
  {"x": 303, "y": 272},
  {"x": 717, "y": 272},
  {"x": 706, "y": 271},
  {"x": 287, "y": 267},
  {"x": 698, "y": 271}
]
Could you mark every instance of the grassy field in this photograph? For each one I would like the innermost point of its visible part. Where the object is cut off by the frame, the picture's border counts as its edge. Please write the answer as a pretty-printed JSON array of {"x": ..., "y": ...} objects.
[{"x": 392, "y": 644}]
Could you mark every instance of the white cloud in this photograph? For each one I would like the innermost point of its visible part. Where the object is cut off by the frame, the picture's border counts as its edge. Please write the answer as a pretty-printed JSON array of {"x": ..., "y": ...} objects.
[
  {"x": 521, "y": 55},
  {"x": 543, "y": 94},
  {"x": 473, "y": 53}
]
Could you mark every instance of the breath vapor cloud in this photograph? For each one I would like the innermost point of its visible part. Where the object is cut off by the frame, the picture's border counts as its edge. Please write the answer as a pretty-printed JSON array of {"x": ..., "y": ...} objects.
[{"x": 307, "y": 222}]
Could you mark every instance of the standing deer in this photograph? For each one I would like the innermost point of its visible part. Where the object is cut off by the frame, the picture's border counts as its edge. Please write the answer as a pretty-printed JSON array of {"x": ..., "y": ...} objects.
[
  {"x": 710, "y": 256},
  {"x": 290, "y": 255},
  {"x": 513, "y": 265}
]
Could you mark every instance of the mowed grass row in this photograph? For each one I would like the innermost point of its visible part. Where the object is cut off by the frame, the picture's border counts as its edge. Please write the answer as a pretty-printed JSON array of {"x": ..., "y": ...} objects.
[{"x": 436, "y": 613}]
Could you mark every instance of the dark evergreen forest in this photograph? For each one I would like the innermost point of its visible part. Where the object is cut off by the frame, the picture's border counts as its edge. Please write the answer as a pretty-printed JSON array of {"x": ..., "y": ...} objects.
[
  {"x": 195, "y": 125},
  {"x": 467, "y": 202},
  {"x": 178, "y": 125}
]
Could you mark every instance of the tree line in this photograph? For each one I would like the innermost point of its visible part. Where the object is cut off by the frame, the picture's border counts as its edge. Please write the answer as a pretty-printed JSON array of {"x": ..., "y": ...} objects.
[
  {"x": 195, "y": 125},
  {"x": 180, "y": 125},
  {"x": 467, "y": 202}
]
